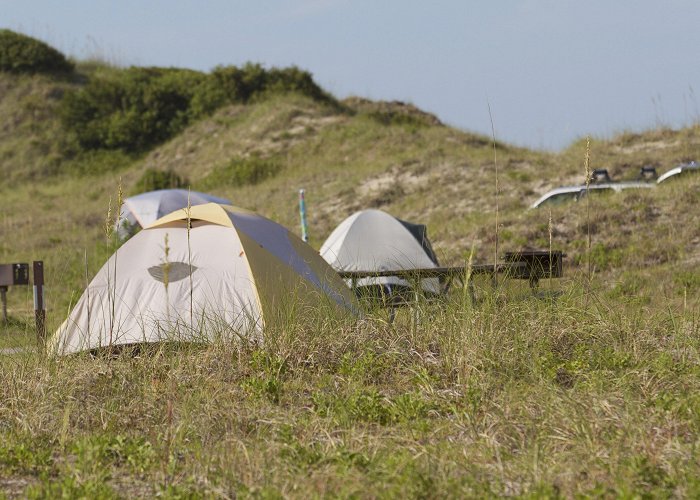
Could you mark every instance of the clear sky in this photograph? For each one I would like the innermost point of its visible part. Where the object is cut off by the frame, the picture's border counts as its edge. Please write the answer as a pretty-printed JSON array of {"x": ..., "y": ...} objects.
[{"x": 552, "y": 71}]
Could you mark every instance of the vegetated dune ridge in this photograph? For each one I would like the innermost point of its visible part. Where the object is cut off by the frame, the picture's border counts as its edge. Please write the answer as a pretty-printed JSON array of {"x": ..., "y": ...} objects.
[
  {"x": 382, "y": 155},
  {"x": 590, "y": 394}
]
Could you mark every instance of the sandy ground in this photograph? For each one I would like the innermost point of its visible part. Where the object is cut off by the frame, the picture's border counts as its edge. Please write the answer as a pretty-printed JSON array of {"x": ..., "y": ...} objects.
[{"x": 13, "y": 350}]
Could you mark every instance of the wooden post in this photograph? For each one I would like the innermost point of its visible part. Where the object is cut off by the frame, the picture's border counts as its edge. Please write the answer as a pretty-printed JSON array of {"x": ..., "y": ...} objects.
[
  {"x": 39, "y": 307},
  {"x": 3, "y": 297}
]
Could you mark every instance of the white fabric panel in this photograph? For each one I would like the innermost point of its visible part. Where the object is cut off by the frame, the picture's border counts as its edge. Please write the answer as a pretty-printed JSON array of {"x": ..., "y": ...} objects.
[
  {"x": 223, "y": 293},
  {"x": 331, "y": 248}
]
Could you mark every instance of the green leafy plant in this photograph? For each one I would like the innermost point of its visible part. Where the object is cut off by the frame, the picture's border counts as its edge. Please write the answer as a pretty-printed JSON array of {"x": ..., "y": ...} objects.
[
  {"x": 24, "y": 457},
  {"x": 241, "y": 172},
  {"x": 131, "y": 109},
  {"x": 137, "y": 108},
  {"x": 234, "y": 85},
  {"x": 24, "y": 54},
  {"x": 268, "y": 381},
  {"x": 153, "y": 179}
]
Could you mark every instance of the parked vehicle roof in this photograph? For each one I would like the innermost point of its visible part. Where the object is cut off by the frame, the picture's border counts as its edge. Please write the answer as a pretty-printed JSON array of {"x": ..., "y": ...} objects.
[
  {"x": 568, "y": 193},
  {"x": 680, "y": 169}
]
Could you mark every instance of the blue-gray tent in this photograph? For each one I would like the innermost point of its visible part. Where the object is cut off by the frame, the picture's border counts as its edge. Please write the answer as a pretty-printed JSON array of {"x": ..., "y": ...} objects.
[{"x": 144, "y": 209}]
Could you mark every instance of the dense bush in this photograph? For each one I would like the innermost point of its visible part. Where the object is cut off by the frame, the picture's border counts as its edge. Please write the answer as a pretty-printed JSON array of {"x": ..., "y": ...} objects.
[
  {"x": 137, "y": 108},
  {"x": 23, "y": 54},
  {"x": 154, "y": 179},
  {"x": 230, "y": 84},
  {"x": 131, "y": 109},
  {"x": 241, "y": 172}
]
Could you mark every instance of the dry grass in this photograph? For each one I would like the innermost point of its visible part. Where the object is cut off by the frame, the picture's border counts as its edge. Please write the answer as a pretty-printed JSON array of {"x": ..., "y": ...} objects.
[
  {"x": 591, "y": 394},
  {"x": 512, "y": 398}
]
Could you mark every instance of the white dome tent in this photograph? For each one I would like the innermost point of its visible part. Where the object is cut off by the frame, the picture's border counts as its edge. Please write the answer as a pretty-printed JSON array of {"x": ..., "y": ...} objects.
[
  {"x": 235, "y": 273},
  {"x": 144, "y": 209},
  {"x": 373, "y": 240}
]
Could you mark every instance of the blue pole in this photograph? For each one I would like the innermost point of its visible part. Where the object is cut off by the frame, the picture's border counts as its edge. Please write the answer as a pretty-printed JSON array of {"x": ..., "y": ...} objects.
[{"x": 302, "y": 215}]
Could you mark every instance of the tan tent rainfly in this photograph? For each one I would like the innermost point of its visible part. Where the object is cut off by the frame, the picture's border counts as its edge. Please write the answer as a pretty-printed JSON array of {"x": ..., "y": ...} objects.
[{"x": 236, "y": 273}]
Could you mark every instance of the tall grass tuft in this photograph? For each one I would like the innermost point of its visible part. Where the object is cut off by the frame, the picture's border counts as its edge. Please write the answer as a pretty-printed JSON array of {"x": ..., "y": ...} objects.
[
  {"x": 113, "y": 220},
  {"x": 490, "y": 403},
  {"x": 111, "y": 279},
  {"x": 587, "y": 168},
  {"x": 189, "y": 254},
  {"x": 166, "y": 273},
  {"x": 496, "y": 195}
]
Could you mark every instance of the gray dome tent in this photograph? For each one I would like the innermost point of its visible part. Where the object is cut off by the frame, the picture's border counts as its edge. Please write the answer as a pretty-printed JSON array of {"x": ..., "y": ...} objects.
[{"x": 373, "y": 240}]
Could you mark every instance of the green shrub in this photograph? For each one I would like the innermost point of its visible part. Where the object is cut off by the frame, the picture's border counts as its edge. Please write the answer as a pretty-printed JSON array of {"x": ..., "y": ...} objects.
[
  {"x": 233, "y": 85},
  {"x": 629, "y": 285},
  {"x": 397, "y": 118},
  {"x": 241, "y": 172},
  {"x": 602, "y": 257},
  {"x": 23, "y": 54},
  {"x": 96, "y": 162},
  {"x": 154, "y": 179},
  {"x": 686, "y": 281},
  {"x": 268, "y": 381},
  {"x": 138, "y": 108},
  {"x": 132, "y": 110},
  {"x": 23, "y": 457}
]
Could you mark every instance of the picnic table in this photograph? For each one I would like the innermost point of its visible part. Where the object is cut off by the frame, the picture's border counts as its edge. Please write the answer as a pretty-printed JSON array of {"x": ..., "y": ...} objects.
[{"x": 532, "y": 265}]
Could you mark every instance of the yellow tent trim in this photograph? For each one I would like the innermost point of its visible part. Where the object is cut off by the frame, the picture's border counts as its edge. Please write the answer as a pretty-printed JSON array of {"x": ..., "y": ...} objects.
[{"x": 209, "y": 212}]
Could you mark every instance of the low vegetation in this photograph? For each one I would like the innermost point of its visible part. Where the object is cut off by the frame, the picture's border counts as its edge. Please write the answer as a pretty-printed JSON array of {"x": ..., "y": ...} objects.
[
  {"x": 518, "y": 396},
  {"x": 588, "y": 388},
  {"x": 23, "y": 54},
  {"x": 153, "y": 180},
  {"x": 240, "y": 172},
  {"x": 135, "y": 109}
]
